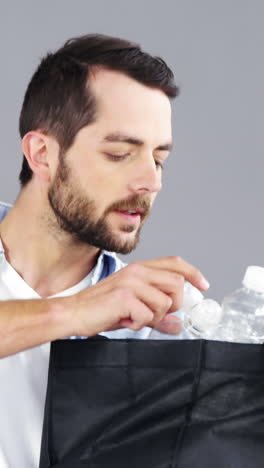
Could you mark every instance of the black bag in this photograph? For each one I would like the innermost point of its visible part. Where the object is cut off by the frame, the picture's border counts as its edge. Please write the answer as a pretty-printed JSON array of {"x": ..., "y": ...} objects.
[{"x": 154, "y": 404}]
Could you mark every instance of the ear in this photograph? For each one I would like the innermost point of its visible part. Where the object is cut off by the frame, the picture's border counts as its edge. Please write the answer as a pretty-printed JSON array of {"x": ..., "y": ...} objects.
[{"x": 35, "y": 146}]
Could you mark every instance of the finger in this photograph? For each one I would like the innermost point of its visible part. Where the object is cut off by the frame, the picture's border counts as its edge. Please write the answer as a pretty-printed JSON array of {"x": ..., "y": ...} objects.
[
  {"x": 178, "y": 265},
  {"x": 145, "y": 305},
  {"x": 170, "y": 283},
  {"x": 136, "y": 315},
  {"x": 156, "y": 300},
  {"x": 140, "y": 316},
  {"x": 170, "y": 324}
]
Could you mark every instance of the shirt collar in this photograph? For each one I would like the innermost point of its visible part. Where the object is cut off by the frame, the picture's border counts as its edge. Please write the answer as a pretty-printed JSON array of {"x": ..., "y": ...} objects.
[
  {"x": 104, "y": 260},
  {"x": 2, "y": 252}
]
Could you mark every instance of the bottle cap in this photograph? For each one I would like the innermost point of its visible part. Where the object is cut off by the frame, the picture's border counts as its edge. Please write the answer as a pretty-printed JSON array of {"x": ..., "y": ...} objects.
[
  {"x": 254, "y": 278},
  {"x": 205, "y": 316}
]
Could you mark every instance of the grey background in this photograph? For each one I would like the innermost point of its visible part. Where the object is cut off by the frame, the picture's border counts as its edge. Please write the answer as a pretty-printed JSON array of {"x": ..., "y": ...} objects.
[{"x": 210, "y": 210}]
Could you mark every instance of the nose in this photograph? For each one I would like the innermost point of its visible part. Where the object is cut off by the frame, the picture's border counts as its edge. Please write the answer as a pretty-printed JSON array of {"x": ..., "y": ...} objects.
[{"x": 146, "y": 176}]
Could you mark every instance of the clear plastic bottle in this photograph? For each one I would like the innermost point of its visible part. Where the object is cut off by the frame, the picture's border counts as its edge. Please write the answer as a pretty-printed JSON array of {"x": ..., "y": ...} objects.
[
  {"x": 243, "y": 311},
  {"x": 198, "y": 315},
  {"x": 201, "y": 320}
]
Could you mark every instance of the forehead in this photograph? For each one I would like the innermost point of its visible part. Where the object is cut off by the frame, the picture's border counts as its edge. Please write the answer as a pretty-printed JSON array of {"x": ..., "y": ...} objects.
[{"x": 127, "y": 105}]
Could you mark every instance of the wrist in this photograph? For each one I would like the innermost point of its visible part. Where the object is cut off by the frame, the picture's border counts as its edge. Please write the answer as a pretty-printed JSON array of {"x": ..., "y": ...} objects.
[{"x": 61, "y": 312}]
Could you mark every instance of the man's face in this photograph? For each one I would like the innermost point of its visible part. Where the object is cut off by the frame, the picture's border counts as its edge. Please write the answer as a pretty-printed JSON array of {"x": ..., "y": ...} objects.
[{"x": 114, "y": 165}]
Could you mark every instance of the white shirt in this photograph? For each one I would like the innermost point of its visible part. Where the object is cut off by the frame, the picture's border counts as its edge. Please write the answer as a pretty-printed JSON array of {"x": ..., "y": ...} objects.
[{"x": 23, "y": 376}]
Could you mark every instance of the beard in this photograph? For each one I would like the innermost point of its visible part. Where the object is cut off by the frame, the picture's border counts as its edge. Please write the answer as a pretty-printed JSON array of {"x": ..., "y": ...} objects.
[{"x": 75, "y": 213}]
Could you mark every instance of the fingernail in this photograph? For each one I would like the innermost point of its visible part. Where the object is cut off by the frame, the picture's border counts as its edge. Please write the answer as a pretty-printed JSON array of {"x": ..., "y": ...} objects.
[{"x": 204, "y": 283}]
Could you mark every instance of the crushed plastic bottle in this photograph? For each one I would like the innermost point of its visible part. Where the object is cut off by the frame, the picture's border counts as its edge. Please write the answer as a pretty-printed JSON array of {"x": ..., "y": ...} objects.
[
  {"x": 239, "y": 319},
  {"x": 199, "y": 315},
  {"x": 203, "y": 319}
]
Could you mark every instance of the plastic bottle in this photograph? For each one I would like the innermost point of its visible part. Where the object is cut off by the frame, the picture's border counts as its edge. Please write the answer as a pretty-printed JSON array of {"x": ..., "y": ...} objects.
[
  {"x": 198, "y": 315},
  {"x": 201, "y": 320},
  {"x": 243, "y": 311}
]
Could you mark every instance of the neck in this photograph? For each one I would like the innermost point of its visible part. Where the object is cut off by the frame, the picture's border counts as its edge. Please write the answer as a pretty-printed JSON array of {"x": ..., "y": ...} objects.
[{"x": 48, "y": 259}]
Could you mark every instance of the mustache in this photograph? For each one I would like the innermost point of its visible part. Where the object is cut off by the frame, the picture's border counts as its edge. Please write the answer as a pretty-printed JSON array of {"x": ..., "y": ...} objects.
[{"x": 132, "y": 204}]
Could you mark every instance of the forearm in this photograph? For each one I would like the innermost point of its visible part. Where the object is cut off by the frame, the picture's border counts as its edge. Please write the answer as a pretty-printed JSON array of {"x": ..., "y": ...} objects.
[{"x": 28, "y": 323}]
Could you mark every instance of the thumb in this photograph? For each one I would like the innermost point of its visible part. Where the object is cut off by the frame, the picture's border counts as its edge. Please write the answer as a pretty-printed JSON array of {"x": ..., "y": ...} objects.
[{"x": 170, "y": 324}]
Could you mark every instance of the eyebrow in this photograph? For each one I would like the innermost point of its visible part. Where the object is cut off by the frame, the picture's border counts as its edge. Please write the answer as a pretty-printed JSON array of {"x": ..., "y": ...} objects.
[{"x": 123, "y": 138}]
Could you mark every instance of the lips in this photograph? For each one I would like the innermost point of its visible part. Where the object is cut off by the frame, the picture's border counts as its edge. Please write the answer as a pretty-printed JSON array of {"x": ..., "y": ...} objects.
[
  {"x": 135, "y": 218},
  {"x": 127, "y": 213},
  {"x": 132, "y": 211}
]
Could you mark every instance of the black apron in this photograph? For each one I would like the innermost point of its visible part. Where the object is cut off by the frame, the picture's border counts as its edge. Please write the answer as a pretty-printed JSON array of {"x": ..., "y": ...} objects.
[{"x": 154, "y": 404}]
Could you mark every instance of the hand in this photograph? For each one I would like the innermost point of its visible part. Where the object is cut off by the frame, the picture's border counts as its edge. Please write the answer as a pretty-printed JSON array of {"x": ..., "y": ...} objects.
[{"x": 141, "y": 294}]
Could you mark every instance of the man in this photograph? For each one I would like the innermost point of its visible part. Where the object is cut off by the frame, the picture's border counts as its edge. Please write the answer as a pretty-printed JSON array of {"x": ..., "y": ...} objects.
[{"x": 96, "y": 131}]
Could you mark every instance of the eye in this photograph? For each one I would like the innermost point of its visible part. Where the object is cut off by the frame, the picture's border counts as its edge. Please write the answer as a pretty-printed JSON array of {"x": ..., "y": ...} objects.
[
  {"x": 120, "y": 157},
  {"x": 117, "y": 157}
]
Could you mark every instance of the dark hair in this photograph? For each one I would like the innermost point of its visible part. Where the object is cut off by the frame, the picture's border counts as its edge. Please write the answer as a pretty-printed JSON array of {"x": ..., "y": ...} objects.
[{"x": 58, "y": 100}]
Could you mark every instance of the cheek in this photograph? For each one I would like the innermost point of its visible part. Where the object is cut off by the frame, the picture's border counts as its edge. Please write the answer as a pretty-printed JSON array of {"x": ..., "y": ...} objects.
[
  {"x": 95, "y": 171},
  {"x": 96, "y": 186},
  {"x": 101, "y": 182}
]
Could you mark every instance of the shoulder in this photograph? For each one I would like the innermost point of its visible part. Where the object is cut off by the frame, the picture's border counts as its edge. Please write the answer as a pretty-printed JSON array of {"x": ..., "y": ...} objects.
[{"x": 4, "y": 208}]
